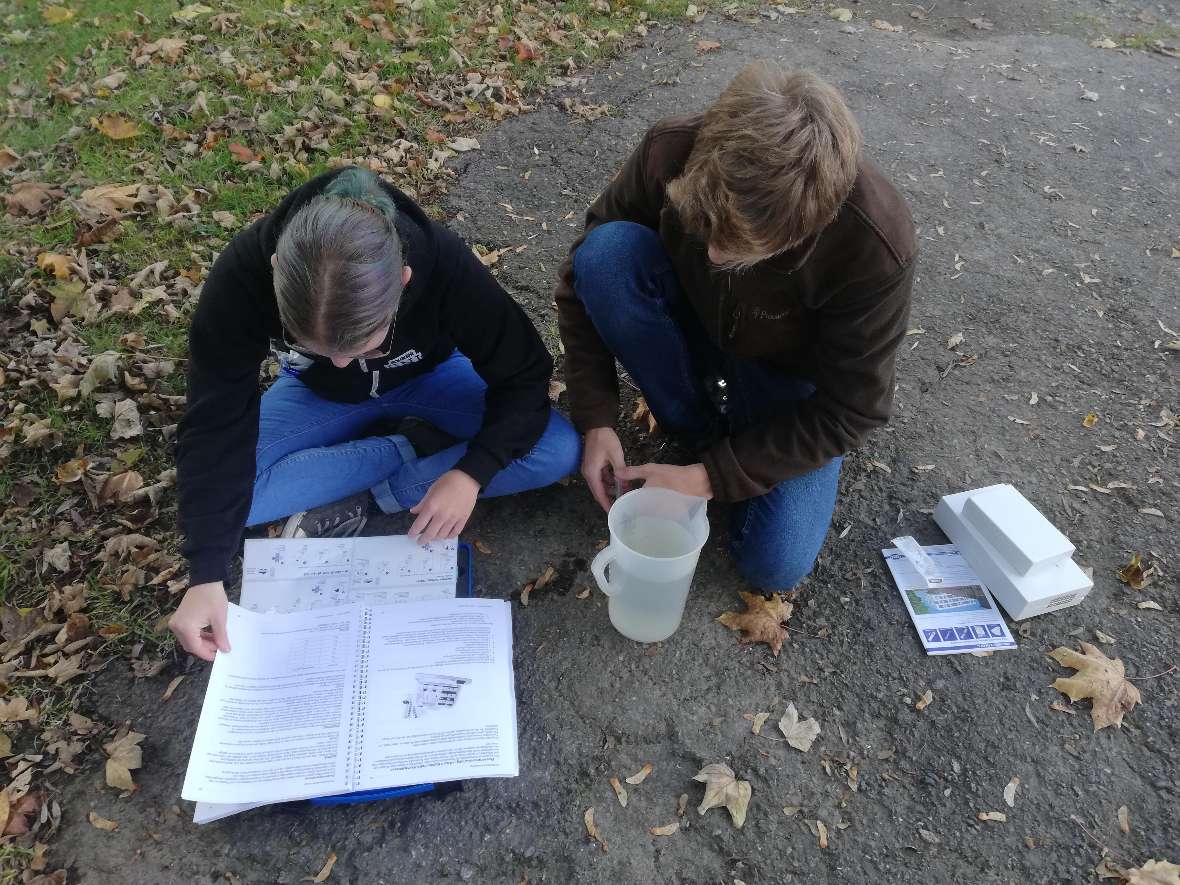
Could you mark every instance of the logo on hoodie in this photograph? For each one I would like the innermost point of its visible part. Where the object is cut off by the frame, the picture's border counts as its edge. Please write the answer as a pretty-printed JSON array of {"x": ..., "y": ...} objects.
[{"x": 406, "y": 359}]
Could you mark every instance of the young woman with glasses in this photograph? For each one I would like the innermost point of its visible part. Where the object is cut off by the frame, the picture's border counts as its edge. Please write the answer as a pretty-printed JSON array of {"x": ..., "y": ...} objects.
[{"x": 409, "y": 379}]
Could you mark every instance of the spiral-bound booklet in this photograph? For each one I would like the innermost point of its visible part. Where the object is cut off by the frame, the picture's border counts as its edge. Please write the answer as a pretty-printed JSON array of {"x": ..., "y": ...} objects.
[{"x": 353, "y": 697}]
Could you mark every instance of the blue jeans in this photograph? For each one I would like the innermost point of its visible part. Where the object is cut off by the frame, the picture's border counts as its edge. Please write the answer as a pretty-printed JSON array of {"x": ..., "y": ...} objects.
[
  {"x": 313, "y": 451},
  {"x": 632, "y": 294}
]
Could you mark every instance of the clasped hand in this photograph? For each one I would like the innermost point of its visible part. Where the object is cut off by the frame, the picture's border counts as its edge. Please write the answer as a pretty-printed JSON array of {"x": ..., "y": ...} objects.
[{"x": 603, "y": 463}]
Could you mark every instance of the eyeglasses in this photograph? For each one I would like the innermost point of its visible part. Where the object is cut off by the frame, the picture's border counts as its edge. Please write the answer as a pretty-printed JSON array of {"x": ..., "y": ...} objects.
[{"x": 381, "y": 352}]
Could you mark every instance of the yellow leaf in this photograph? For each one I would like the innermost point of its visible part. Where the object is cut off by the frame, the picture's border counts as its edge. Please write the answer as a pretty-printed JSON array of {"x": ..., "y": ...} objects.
[
  {"x": 100, "y": 822},
  {"x": 125, "y": 755},
  {"x": 1099, "y": 678},
  {"x": 55, "y": 263},
  {"x": 1090, "y": 420},
  {"x": 115, "y": 126},
  {"x": 1134, "y": 575},
  {"x": 382, "y": 100},
  {"x": 56, "y": 15},
  {"x": 723, "y": 789}
]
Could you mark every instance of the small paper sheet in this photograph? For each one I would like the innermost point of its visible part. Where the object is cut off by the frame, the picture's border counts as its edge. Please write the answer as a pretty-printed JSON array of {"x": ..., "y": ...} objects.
[{"x": 950, "y": 607}]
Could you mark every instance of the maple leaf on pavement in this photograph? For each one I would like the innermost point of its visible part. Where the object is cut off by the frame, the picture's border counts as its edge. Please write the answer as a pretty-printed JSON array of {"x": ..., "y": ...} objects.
[
  {"x": 762, "y": 621},
  {"x": 800, "y": 734},
  {"x": 1099, "y": 678},
  {"x": 1154, "y": 872},
  {"x": 723, "y": 789}
]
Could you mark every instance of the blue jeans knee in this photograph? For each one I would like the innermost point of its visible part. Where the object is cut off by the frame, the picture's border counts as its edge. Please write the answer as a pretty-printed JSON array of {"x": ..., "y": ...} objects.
[{"x": 616, "y": 255}]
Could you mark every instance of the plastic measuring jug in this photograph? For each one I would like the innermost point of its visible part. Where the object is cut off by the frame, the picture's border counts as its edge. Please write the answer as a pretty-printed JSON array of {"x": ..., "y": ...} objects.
[{"x": 656, "y": 536}]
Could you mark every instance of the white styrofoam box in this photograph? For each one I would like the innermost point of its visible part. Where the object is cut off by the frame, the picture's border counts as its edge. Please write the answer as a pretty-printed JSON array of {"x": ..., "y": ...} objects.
[
  {"x": 1023, "y": 596},
  {"x": 1016, "y": 529}
]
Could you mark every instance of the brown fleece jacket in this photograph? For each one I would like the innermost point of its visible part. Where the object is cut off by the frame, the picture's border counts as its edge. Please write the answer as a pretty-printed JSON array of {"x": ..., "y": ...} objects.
[{"x": 832, "y": 310}]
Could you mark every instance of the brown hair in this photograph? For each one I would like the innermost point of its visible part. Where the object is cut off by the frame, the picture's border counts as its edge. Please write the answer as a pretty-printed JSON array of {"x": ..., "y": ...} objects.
[
  {"x": 338, "y": 265},
  {"x": 775, "y": 157}
]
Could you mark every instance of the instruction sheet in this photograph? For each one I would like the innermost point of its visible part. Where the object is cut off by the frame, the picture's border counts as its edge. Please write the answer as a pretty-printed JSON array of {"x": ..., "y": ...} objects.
[
  {"x": 950, "y": 607},
  {"x": 284, "y": 575}
]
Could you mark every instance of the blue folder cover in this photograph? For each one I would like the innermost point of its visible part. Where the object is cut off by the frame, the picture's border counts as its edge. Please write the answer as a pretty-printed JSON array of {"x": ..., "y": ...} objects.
[{"x": 465, "y": 586}]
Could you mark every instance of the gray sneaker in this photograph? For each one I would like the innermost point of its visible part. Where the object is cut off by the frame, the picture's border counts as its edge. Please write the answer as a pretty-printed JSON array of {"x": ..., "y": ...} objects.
[{"x": 340, "y": 519}]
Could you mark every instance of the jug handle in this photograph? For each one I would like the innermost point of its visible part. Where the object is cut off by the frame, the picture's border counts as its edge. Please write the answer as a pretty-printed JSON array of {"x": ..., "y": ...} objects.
[{"x": 598, "y": 568}]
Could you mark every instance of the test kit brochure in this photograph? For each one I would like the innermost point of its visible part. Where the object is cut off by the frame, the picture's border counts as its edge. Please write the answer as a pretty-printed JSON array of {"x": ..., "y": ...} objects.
[
  {"x": 951, "y": 608},
  {"x": 335, "y": 700}
]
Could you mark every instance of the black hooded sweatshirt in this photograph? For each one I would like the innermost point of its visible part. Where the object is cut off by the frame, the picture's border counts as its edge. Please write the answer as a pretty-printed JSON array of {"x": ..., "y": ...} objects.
[{"x": 452, "y": 301}]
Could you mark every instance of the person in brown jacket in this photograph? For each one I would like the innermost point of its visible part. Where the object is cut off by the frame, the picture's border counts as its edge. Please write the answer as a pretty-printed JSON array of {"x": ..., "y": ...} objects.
[{"x": 751, "y": 270}]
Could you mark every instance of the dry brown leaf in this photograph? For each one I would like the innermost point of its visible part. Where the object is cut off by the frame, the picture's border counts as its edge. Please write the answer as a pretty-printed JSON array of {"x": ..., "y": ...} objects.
[
  {"x": 820, "y": 830},
  {"x": 620, "y": 791},
  {"x": 71, "y": 471},
  {"x": 1090, "y": 420},
  {"x": 665, "y": 830},
  {"x": 1124, "y": 814},
  {"x": 1154, "y": 872},
  {"x": 925, "y": 700},
  {"x": 125, "y": 756},
  {"x": 172, "y": 686},
  {"x": 881, "y": 25},
  {"x": 584, "y": 593},
  {"x": 119, "y": 487},
  {"x": 111, "y": 199},
  {"x": 996, "y": 816},
  {"x": 762, "y": 621},
  {"x": 757, "y": 721},
  {"x": 799, "y": 734},
  {"x": 61, "y": 266},
  {"x": 1134, "y": 575},
  {"x": 723, "y": 789},
  {"x": 126, "y": 424},
  {"x": 644, "y": 418},
  {"x": 31, "y": 198},
  {"x": 707, "y": 45},
  {"x": 99, "y": 822},
  {"x": 483, "y": 548},
  {"x": 325, "y": 871},
  {"x": 641, "y": 775},
  {"x": 9, "y": 159},
  {"x": 115, "y": 126},
  {"x": 592, "y": 828},
  {"x": 1099, "y": 678}
]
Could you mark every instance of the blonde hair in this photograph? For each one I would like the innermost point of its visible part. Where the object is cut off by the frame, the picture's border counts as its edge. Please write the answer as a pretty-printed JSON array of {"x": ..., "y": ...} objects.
[{"x": 775, "y": 157}]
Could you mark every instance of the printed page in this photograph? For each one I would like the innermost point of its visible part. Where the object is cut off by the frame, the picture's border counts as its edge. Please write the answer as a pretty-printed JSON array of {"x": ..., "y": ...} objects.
[
  {"x": 286, "y": 575},
  {"x": 441, "y": 700},
  {"x": 275, "y": 722},
  {"x": 953, "y": 613}
]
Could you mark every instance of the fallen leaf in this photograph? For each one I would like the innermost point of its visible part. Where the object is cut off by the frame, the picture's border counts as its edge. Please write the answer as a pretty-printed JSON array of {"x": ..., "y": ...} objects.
[
  {"x": 483, "y": 548},
  {"x": 463, "y": 144},
  {"x": 241, "y": 153},
  {"x": 762, "y": 621},
  {"x": 31, "y": 198},
  {"x": 71, "y": 471},
  {"x": 58, "y": 556},
  {"x": 682, "y": 805},
  {"x": 592, "y": 828},
  {"x": 1151, "y": 604},
  {"x": 1089, "y": 96},
  {"x": 172, "y": 686},
  {"x": 641, "y": 775},
  {"x": 584, "y": 593},
  {"x": 57, "y": 15},
  {"x": 99, "y": 822},
  {"x": 9, "y": 159},
  {"x": 115, "y": 126},
  {"x": 997, "y": 816},
  {"x": 126, "y": 424},
  {"x": 1090, "y": 420},
  {"x": 954, "y": 341},
  {"x": 1134, "y": 575},
  {"x": 707, "y": 45},
  {"x": 61, "y": 266},
  {"x": 643, "y": 416},
  {"x": 799, "y": 734},
  {"x": 620, "y": 791},
  {"x": 757, "y": 721},
  {"x": 841, "y": 14},
  {"x": 125, "y": 756},
  {"x": 1104, "y": 43},
  {"x": 111, "y": 81},
  {"x": 881, "y": 25},
  {"x": 665, "y": 830},
  {"x": 111, "y": 199},
  {"x": 191, "y": 11},
  {"x": 533, "y": 586},
  {"x": 723, "y": 789},
  {"x": 925, "y": 700},
  {"x": 325, "y": 871},
  {"x": 1010, "y": 792},
  {"x": 1154, "y": 872},
  {"x": 119, "y": 487},
  {"x": 1124, "y": 814},
  {"x": 1099, "y": 678},
  {"x": 820, "y": 830},
  {"x": 1104, "y": 638}
]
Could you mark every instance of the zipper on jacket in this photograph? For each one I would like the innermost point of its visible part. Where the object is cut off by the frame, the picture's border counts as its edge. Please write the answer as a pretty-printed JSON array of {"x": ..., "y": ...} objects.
[{"x": 733, "y": 318}]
